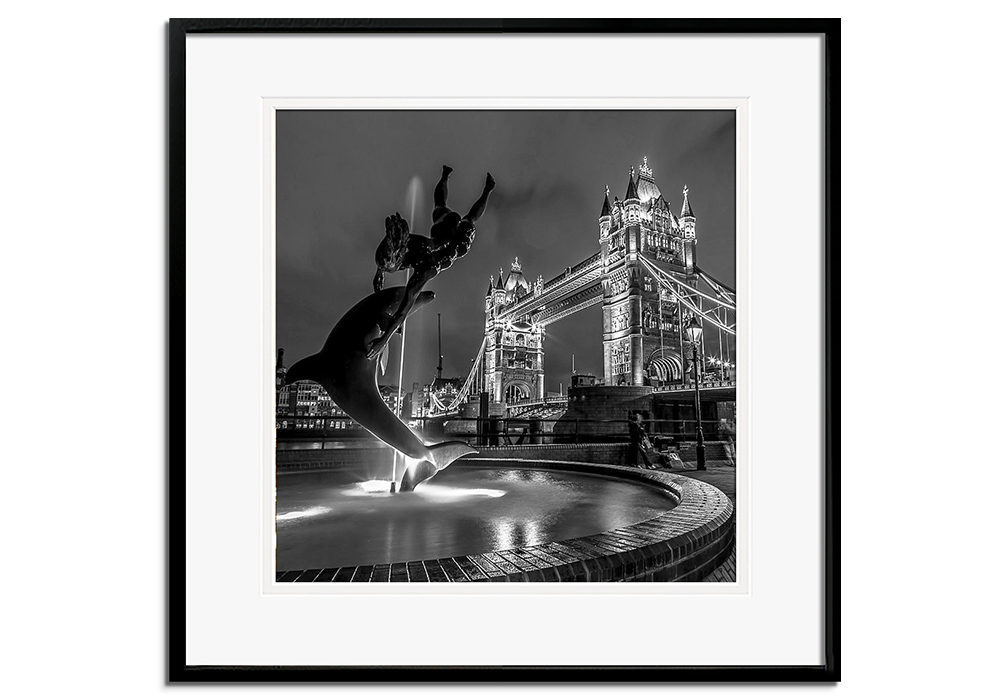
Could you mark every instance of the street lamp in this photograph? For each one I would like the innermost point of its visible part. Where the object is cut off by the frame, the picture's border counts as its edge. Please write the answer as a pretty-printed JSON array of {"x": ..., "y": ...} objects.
[{"x": 693, "y": 332}]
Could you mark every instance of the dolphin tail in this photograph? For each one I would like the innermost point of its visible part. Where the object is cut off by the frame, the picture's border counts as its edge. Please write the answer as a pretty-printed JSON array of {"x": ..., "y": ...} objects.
[
  {"x": 307, "y": 368},
  {"x": 442, "y": 455}
]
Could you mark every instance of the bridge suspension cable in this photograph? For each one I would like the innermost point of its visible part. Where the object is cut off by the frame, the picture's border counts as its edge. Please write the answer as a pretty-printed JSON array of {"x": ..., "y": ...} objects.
[
  {"x": 692, "y": 298},
  {"x": 472, "y": 381},
  {"x": 718, "y": 286},
  {"x": 693, "y": 290}
]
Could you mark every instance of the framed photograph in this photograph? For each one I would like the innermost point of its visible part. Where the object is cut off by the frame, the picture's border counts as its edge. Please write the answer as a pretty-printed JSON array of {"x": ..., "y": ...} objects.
[{"x": 494, "y": 343}]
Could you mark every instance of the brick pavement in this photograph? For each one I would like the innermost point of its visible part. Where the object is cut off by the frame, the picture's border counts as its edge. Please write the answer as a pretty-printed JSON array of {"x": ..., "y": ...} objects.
[
  {"x": 722, "y": 475},
  {"x": 725, "y": 573},
  {"x": 719, "y": 473}
]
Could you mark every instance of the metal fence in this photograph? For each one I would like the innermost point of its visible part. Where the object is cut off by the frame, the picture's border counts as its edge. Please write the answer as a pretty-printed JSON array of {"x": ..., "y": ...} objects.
[{"x": 507, "y": 431}]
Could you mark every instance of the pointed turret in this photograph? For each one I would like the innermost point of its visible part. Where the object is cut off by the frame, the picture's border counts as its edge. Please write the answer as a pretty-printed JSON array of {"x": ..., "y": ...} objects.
[
  {"x": 606, "y": 209},
  {"x": 604, "y": 221},
  {"x": 687, "y": 218},
  {"x": 499, "y": 297},
  {"x": 686, "y": 212},
  {"x": 632, "y": 201},
  {"x": 686, "y": 207},
  {"x": 631, "y": 192},
  {"x": 489, "y": 290}
]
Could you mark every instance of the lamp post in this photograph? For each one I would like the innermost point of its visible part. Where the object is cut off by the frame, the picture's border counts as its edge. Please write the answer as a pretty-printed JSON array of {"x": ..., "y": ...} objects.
[{"x": 693, "y": 332}]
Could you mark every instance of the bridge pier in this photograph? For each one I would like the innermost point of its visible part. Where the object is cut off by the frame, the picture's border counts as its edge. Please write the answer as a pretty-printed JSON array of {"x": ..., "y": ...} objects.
[{"x": 596, "y": 412}]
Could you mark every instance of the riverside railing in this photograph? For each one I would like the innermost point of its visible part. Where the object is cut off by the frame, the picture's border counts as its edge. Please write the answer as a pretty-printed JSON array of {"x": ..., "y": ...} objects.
[{"x": 506, "y": 431}]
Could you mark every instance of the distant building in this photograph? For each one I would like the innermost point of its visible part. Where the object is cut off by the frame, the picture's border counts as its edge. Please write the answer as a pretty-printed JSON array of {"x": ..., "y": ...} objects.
[
  {"x": 513, "y": 363},
  {"x": 415, "y": 402},
  {"x": 280, "y": 371},
  {"x": 282, "y": 393},
  {"x": 390, "y": 394},
  {"x": 307, "y": 399},
  {"x": 441, "y": 393}
]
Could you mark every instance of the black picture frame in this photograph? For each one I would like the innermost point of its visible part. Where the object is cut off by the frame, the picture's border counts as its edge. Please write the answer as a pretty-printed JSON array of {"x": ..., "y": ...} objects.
[{"x": 178, "y": 671}]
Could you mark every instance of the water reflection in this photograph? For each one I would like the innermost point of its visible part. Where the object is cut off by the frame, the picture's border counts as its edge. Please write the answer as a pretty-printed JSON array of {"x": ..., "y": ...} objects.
[
  {"x": 442, "y": 494},
  {"x": 462, "y": 511},
  {"x": 315, "y": 510},
  {"x": 371, "y": 486},
  {"x": 428, "y": 492}
]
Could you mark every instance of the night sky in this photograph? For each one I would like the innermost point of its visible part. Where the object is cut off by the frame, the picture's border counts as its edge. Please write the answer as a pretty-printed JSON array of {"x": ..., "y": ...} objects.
[{"x": 340, "y": 173}]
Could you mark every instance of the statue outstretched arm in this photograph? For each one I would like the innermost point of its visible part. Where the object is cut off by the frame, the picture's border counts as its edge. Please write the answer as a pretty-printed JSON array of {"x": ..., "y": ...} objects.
[{"x": 410, "y": 295}]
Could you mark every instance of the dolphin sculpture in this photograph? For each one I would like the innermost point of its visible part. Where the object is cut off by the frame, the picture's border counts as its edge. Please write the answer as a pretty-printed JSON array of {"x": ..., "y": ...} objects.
[{"x": 344, "y": 370}]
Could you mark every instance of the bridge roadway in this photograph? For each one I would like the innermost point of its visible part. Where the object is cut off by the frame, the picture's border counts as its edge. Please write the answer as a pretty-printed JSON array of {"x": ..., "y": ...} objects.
[
  {"x": 580, "y": 287},
  {"x": 711, "y": 390},
  {"x": 573, "y": 290},
  {"x": 520, "y": 409},
  {"x": 567, "y": 306}
]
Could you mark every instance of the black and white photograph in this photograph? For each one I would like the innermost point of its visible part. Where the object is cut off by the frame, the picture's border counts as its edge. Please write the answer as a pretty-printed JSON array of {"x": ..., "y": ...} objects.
[
  {"x": 315, "y": 322},
  {"x": 506, "y": 345}
]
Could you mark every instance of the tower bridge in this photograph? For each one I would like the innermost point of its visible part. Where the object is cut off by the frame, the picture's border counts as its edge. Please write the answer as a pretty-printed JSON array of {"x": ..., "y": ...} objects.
[{"x": 646, "y": 277}]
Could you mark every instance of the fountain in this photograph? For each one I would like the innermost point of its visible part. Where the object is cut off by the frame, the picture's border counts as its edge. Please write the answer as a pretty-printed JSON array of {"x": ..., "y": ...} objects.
[
  {"x": 496, "y": 520},
  {"x": 356, "y": 347},
  {"x": 328, "y": 519}
]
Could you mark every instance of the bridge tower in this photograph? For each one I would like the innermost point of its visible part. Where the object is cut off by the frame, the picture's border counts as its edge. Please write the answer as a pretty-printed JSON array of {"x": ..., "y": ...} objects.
[
  {"x": 513, "y": 359},
  {"x": 642, "y": 324}
]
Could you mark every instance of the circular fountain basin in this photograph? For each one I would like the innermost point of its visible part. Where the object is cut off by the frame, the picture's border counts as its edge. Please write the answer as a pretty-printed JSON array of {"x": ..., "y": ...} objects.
[
  {"x": 502, "y": 520},
  {"x": 325, "y": 520}
]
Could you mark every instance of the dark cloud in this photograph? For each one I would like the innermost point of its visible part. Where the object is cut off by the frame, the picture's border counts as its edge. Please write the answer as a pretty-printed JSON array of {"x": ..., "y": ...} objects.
[
  {"x": 340, "y": 173},
  {"x": 518, "y": 219}
]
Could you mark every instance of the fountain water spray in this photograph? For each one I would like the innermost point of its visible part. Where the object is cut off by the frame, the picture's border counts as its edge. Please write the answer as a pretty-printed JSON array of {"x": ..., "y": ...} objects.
[{"x": 413, "y": 192}]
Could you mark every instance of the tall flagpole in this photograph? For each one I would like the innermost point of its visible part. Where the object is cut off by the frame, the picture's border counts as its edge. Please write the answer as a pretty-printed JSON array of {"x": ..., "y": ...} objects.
[{"x": 399, "y": 392}]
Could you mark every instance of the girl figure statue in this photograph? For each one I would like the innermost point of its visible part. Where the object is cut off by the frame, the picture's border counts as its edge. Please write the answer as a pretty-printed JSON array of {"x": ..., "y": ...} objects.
[{"x": 451, "y": 237}]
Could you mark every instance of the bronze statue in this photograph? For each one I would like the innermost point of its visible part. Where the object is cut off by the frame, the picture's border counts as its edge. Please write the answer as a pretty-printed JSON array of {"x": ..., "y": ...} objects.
[
  {"x": 451, "y": 237},
  {"x": 346, "y": 366},
  {"x": 349, "y": 376}
]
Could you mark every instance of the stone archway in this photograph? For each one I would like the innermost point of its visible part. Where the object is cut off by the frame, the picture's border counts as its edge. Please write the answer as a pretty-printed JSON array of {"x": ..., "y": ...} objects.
[
  {"x": 665, "y": 367},
  {"x": 516, "y": 392}
]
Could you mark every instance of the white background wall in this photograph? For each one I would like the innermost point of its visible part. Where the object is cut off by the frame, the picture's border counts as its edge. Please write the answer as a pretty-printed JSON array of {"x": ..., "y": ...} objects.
[{"x": 82, "y": 276}]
